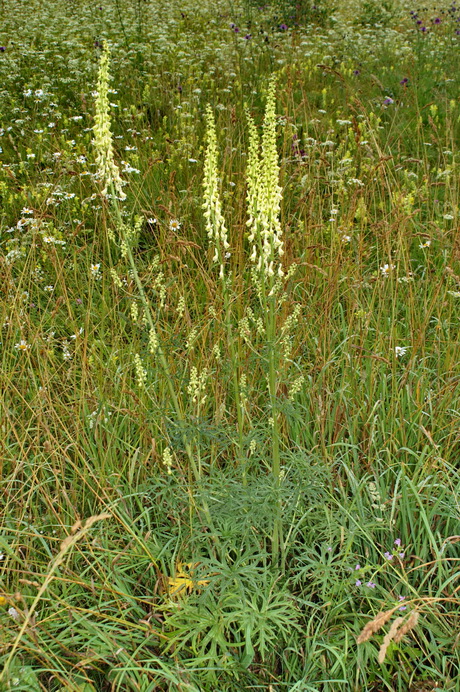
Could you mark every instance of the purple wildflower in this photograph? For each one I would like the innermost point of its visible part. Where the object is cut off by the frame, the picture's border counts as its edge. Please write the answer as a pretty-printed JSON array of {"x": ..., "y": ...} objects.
[
  {"x": 2, "y": 49},
  {"x": 401, "y": 555},
  {"x": 398, "y": 542},
  {"x": 388, "y": 555},
  {"x": 358, "y": 582},
  {"x": 283, "y": 27},
  {"x": 403, "y": 607},
  {"x": 358, "y": 566},
  {"x": 370, "y": 584},
  {"x": 404, "y": 80}
]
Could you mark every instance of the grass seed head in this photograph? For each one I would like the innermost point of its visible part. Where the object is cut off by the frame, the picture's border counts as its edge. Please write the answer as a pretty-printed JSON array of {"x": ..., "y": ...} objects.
[
  {"x": 409, "y": 625},
  {"x": 374, "y": 625},
  {"x": 389, "y": 638}
]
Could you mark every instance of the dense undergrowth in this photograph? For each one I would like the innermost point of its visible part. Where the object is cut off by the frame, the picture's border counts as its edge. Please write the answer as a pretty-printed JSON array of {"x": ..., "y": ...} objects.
[{"x": 264, "y": 461}]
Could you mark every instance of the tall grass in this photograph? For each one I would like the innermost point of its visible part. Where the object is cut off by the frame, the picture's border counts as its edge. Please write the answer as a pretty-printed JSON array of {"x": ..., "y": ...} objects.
[{"x": 271, "y": 437}]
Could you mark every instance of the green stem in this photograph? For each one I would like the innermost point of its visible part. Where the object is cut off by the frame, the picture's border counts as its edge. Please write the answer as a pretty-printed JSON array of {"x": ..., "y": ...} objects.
[
  {"x": 277, "y": 537},
  {"x": 235, "y": 368}
]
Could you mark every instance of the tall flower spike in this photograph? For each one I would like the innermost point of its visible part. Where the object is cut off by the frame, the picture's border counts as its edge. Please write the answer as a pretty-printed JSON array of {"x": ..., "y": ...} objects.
[
  {"x": 253, "y": 181},
  {"x": 215, "y": 222},
  {"x": 264, "y": 193},
  {"x": 271, "y": 193},
  {"x": 107, "y": 169}
]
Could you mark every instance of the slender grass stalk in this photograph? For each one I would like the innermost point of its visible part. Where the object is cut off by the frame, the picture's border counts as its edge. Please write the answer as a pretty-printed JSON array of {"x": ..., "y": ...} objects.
[
  {"x": 153, "y": 336},
  {"x": 66, "y": 546}
]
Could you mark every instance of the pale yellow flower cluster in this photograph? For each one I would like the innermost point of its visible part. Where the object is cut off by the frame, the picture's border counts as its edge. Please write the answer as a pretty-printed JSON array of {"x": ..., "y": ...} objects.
[
  {"x": 153, "y": 342},
  {"x": 264, "y": 194},
  {"x": 107, "y": 169},
  {"x": 215, "y": 222},
  {"x": 168, "y": 460},
  {"x": 141, "y": 373},
  {"x": 197, "y": 386}
]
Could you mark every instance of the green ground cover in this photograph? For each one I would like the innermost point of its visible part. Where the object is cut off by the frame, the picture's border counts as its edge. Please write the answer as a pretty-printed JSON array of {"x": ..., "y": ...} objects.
[{"x": 230, "y": 394}]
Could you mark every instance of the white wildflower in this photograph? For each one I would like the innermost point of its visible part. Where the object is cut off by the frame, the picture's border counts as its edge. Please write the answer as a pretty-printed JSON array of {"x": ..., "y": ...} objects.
[
  {"x": 22, "y": 345},
  {"x": 13, "y": 613},
  {"x": 387, "y": 268},
  {"x": 174, "y": 225}
]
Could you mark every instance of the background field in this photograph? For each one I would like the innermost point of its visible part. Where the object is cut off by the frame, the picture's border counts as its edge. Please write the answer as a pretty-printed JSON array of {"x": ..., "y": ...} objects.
[{"x": 288, "y": 468}]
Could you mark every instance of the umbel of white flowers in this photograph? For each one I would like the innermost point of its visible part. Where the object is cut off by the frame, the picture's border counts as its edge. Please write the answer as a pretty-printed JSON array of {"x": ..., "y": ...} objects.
[{"x": 106, "y": 168}]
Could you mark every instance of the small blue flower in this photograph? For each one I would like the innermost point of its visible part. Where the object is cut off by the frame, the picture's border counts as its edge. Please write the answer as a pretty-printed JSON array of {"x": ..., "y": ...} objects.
[{"x": 403, "y": 607}]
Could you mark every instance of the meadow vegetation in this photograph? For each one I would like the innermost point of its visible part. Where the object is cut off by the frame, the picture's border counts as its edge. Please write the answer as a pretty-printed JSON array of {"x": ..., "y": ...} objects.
[{"x": 230, "y": 403}]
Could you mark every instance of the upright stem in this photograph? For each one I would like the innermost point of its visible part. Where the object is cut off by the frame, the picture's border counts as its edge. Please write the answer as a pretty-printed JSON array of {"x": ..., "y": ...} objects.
[
  {"x": 235, "y": 369},
  {"x": 277, "y": 537}
]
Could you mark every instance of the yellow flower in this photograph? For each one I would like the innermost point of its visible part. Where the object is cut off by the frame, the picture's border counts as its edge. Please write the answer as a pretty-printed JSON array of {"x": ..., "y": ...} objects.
[{"x": 183, "y": 581}]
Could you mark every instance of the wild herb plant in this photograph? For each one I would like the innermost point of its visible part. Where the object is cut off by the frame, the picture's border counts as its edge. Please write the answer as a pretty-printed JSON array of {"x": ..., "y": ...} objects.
[{"x": 279, "y": 457}]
